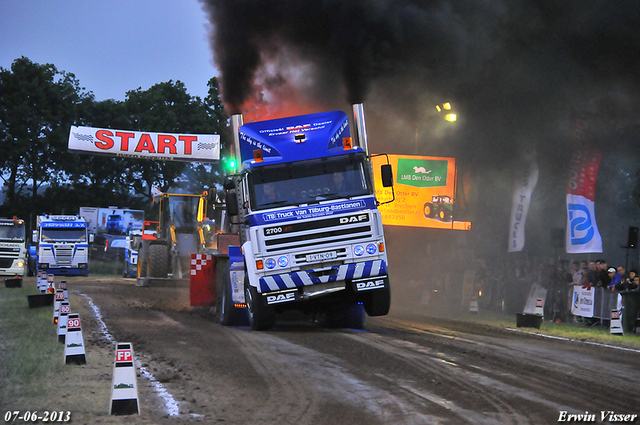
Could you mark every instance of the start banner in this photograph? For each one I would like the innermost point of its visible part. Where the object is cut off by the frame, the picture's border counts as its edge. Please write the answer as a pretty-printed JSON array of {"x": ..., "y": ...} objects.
[{"x": 146, "y": 145}]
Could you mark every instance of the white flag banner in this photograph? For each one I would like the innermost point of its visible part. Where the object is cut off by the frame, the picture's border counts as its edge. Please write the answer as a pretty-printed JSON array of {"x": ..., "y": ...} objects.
[
  {"x": 526, "y": 182},
  {"x": 140, "y": 144},
  {"x": 582, "y": 231}
]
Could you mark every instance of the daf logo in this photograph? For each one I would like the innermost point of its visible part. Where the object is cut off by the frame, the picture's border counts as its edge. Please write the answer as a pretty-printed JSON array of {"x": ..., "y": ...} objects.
[
  {"x": 281, "y": 298},
  {"x": 372, "y": 284},
  {"x": 354, "y": 219}
]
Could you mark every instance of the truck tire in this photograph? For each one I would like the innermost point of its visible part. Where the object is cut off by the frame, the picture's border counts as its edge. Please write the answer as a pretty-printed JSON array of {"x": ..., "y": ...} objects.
[
  {"x": 158, "y": 261},
  {"x": 429, "y": 210},
  {"x": 261, "y": 317},
  {"x": 378, "y": 302},
  {"x": 229, "y": 315},
  {"x": 347, "y": 316}
]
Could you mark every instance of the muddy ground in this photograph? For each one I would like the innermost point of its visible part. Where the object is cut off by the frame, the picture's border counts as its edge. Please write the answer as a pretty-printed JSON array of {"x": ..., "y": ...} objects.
[{"x": 400, "y": 370}]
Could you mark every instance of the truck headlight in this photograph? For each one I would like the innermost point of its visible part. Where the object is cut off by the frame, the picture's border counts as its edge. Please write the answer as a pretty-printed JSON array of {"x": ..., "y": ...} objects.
[
  {"x": 83, "y": 265},
  {"x": 20, "y": 264},
  {"x": 270, "y": 263},
  {"x": 283, "y": 261},
  {"x": 371, "y": 249},
  {"x": 358, "y": 250}
]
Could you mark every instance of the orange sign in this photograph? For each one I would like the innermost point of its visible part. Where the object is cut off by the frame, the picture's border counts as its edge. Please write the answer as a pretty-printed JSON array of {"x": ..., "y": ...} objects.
[{"x": 424, "y": 188}]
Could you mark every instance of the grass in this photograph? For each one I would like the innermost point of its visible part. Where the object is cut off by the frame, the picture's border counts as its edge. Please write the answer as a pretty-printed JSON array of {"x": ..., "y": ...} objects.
[
  {"x": 105, "y": 268},
  {"x": 576, "y": 331},
  {"x": 30, "y": 352},
  {"x": 33, "y": 376}
]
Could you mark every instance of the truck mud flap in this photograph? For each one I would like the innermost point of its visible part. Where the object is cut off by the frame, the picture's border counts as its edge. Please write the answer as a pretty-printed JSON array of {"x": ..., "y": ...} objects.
[{"x": 370, "y": 283}]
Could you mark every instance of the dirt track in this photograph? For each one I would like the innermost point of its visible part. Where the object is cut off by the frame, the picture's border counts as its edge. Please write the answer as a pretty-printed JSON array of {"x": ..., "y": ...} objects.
[{"x": 397, "y": 371}]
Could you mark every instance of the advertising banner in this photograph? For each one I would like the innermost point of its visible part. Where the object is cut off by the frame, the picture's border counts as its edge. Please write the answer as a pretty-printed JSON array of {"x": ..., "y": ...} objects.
[
  {"x": 525, "y": 183},
  {"x": 582, "y": 231},
  {"x": 424, "y": 188},
  {"x": 582, "y": 301},
  {"x": 138, "y": 144}
]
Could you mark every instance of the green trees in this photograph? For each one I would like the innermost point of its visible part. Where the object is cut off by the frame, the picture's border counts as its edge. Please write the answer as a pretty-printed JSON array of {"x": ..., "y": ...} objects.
[{"x": 39, "y": 103}]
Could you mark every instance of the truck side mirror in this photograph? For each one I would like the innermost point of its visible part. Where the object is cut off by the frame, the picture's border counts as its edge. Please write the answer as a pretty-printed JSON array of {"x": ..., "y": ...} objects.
[
  {"x": 34, "y": 236},
  {"x": 231, "y": 199},
  {"x": 387, "y": 175}
]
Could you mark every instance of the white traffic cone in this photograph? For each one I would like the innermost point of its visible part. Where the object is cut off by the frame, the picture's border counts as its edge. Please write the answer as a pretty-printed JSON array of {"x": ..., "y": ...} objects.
[
  {"x": 57, "y": 300},
  {"x": 74, "y": 342},
  {"x": 473, "y": 306},
  {"x": 124, "y": 389},
  {"x": 65, "y": 309},
  {"x": 42, "y": 281},
  {"x": 539, "y": 310},
  {"x": 51, "y": 286},
  {"x": 616, "y": 323},
  {"x": 63, "y": 285}
]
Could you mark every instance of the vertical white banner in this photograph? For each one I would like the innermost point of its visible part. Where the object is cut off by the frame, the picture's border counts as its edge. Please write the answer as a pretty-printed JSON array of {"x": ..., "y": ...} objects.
[
  {"x": 525, "y": 183},
  {"x": 582, "y": 231}
]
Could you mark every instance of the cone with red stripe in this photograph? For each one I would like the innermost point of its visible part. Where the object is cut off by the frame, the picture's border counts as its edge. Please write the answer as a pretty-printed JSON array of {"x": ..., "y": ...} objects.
[
  {"x": 74, "y": 342},
  {"x": 124, "y": 388}
]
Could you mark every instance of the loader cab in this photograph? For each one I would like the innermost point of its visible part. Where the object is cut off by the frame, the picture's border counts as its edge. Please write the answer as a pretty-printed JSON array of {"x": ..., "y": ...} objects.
[{"x": 181, "y": 211}]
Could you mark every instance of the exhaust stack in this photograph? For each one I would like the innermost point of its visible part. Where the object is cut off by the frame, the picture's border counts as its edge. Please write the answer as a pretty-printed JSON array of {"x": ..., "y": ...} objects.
[
  {"x": 361, "y": 128},
  {"x": 236, "y": 123}
]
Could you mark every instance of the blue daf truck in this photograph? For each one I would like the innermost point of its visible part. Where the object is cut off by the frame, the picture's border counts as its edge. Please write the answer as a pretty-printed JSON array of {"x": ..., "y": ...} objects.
[{"x": 310, "y": 236}]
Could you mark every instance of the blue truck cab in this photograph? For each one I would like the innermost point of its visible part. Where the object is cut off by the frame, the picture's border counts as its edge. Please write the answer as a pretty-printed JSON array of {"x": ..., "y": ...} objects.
[
  {"x": 311, "y": 235},
  {"x": 62, "y": 245}
]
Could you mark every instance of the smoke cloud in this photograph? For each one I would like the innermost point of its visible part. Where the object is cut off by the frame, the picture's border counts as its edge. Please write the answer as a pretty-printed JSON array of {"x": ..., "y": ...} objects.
[{"x": 517, "y": 72}]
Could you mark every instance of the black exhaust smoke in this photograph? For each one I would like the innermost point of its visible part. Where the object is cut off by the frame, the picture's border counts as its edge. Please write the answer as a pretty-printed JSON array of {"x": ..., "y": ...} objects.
[
  {"x": 514, "y": 53},
  {"x": 347, "y": 43},
  {"x": 518, "y": 72}
]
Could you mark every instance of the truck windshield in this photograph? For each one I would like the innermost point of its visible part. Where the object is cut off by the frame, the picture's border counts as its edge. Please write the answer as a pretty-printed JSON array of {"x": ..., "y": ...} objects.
[
  {"x": 64, "y": 235},
  {"x": 12, "y": 232},
  {"x": 308, "y": 182}
]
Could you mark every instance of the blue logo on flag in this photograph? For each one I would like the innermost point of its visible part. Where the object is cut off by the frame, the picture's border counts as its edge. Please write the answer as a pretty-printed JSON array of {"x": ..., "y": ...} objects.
[{"x": 580, "y": 220}]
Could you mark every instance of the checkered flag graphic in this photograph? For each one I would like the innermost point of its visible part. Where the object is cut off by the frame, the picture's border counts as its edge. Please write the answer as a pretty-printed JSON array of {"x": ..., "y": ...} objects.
[
  {"x": 83, "y": 137},
  {"x": 205, "y": 146}
]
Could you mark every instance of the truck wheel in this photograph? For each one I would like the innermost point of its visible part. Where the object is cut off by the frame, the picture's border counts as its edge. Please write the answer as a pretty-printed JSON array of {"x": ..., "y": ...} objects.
[
  {"x": 429, "y": 211},
  {"x": 444, "y": 214},
  {"x": 379, "y": 302},
  {"x": 229, "y": 315},
  {"x": 261, "y": 317},
  {"x": 158, "y": 261},
  {"x": 347, "y": 316}
]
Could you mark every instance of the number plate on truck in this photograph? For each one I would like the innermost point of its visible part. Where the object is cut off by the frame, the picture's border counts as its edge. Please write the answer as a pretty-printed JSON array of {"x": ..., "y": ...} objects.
[{"x": 322, "y": 256}]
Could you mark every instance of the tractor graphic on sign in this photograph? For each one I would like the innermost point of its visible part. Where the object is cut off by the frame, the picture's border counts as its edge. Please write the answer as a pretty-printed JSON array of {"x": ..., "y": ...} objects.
[{"x": 440, "y": 207}]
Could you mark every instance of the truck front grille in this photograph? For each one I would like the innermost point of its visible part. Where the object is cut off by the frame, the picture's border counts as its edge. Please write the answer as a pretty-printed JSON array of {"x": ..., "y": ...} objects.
[
  {"x": 5, "y": 263},
  {"x": 64, "y": 254}
]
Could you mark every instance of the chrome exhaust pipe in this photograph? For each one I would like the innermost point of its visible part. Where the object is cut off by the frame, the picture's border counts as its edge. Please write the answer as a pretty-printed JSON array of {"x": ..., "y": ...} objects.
[
  {"x": 236, "y": 123},
  {"x": 361, "y": 128}
]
